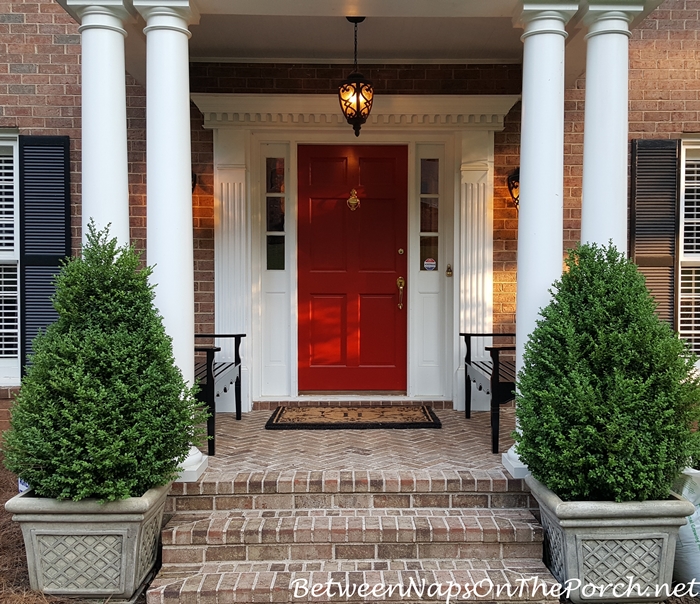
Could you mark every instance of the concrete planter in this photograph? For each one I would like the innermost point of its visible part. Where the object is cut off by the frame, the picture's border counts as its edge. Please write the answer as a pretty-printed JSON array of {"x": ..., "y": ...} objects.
[
  {"x": 611, "y": 552},
  {"x": 88, "y": 549}
]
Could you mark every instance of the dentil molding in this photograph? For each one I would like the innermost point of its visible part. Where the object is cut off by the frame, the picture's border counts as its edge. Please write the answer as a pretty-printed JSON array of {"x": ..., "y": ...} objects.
[{"x": 448, "y": 112}]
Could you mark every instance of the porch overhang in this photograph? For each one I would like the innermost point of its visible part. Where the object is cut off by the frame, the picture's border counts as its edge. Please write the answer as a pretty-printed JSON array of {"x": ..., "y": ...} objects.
[
  {"x": 443, "y": 112},
  {"x": 396, "y": 31}
]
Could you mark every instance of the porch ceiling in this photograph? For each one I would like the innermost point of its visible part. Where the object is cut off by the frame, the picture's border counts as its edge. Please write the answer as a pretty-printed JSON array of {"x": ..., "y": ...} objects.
[
  {"x": 396, "y": 31},
  {"x": 315, "y": 39}
]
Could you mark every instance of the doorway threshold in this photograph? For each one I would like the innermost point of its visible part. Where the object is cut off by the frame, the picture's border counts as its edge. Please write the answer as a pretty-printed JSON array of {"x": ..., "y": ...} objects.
[
  {"x": 339, "y": 400},
  {"x": 352, "y": 393}
]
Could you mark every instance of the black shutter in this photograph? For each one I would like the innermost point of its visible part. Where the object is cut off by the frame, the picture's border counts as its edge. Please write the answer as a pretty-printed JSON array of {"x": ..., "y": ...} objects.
[
  {"x": 44, "y": 215},
  {"x": 654, "y": 216}
]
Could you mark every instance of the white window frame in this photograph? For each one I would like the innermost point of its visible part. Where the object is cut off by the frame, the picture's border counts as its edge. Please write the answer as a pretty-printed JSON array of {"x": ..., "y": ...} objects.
[{"x": 10, "y": 365}]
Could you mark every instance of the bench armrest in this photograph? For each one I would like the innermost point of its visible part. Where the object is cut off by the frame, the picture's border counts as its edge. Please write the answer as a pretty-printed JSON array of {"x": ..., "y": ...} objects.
[
  {"x": 207, "y": 348},
  {"x": 237, "y": 336},
  {"x": 468, "y": 337}
]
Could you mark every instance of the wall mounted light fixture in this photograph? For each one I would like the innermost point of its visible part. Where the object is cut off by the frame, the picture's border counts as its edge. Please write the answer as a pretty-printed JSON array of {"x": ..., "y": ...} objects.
[
  {"x": 514, "y": 187},
  {"x": 356, "y": 93}
]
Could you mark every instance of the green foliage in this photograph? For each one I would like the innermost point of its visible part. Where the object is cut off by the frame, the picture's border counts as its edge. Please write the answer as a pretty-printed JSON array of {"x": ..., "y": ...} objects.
[
  {"x": 607, "y": 395},
  {"x": 103, "y": 411}
]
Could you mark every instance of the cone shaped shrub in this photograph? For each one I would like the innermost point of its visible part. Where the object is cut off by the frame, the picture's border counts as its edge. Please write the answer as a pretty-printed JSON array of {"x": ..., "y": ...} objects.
[
  {"x": 607, "y": 395},
  {"x": 103, "y": 410}
]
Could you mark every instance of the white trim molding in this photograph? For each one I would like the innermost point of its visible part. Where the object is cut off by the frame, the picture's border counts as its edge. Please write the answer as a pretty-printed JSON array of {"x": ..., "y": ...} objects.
[
  {"x": 458, "y": 129},
  {"x": 445, "y": 112}
]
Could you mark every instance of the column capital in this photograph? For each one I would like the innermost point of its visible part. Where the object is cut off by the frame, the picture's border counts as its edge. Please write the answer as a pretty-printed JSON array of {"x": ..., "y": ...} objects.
[
  {"x": 555, "y": 12},
  {"x": 182, "y": 9},
  {"x": 105, "y": 14},
  {"x": 610, "y": 16}
]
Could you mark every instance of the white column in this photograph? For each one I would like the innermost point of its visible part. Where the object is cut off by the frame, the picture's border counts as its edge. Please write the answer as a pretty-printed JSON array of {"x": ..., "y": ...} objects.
[
  {"x": 169, "y": 172},
  {"x": 604, "y": 205},
  {"x": 541, "y": 215},
  {"x": 105, "y": 171},
  {"x": 169, "y": 236}
]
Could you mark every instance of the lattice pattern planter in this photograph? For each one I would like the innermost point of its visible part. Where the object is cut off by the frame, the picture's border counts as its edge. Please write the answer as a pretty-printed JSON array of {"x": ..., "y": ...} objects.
[
  {"x": 88, "y": 549},
  {"x": 603, "y": 544}
]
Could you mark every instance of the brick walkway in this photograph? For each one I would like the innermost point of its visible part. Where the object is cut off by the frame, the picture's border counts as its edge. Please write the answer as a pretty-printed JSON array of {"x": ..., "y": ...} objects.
[{"x": 245, "y": 446}]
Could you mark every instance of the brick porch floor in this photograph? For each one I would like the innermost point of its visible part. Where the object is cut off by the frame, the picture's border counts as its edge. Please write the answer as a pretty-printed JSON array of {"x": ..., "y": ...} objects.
[{"x": 461, "y": 444}]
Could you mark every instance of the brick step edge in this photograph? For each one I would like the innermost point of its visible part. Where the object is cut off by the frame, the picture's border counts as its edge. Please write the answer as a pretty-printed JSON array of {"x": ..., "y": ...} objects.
[
  {"x": 194, "y": 554},
  {"x": 352, "y": 482},
  {"x": 348, "y": 501},
  {"x": 359, "y": 526},
  {"x": 534, "y": 585}
]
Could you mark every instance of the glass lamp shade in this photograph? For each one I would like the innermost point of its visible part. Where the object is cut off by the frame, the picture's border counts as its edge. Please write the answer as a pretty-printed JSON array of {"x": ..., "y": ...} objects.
[{"x": 356, "y": 95}]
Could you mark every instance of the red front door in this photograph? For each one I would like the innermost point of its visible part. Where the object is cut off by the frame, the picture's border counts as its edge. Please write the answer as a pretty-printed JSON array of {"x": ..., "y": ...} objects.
[{"x": 352, "y": 332}]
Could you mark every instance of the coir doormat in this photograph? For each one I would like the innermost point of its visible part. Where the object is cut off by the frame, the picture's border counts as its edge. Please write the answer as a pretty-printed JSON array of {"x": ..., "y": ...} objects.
[{"x": 352, "y": 418}]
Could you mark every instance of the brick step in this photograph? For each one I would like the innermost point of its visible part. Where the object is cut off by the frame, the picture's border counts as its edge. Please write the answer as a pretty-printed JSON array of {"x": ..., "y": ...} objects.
[
  {"x": 356, "y": 534},
  {"x": 527, "y": 579},
  {"x": 303, "y": 489}
]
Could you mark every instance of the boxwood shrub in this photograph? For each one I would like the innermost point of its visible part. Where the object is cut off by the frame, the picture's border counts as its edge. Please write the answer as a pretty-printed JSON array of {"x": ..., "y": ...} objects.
[
  {"x": 103, "y": 410},
  {"x": 607, "y": 394}
]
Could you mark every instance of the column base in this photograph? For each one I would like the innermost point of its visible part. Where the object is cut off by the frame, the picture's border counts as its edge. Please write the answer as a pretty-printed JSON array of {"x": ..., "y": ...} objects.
[
  {"x": 194, "y": 466},
  {"x": 512, "y": 463}
]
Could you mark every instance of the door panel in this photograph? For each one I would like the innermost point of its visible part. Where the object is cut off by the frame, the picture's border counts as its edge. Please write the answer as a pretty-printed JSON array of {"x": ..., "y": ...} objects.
[
  {"x": 352, "y": 335},
  {"x": 326, "y": 230},
  {"x": 377, "y": 326},
  {"x": 377, "y": 252},
  {"x": 327, "y": 326}
]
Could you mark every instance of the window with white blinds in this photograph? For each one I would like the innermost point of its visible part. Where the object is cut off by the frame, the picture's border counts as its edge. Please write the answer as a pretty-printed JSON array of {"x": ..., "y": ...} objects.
[
  {"x": 9, "y": 253},
  {"x": 7, "y": 199},
  {"x": 689, "y": 269}
]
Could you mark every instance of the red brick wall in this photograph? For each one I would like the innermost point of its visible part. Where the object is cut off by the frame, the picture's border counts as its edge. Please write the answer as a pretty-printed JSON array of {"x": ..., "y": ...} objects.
[
  {"x": 324, "y": 79},
  {"x": 505, "y": 223},
  {"x": 136, "y": 149},
  {"x": 6, "y": 398},
  {"x": 664, "y": 102},
  {"x": 203, "y": 216},
  {"x": 40, "y": 94},
  {"x": 664, "y": 92},
  {"x": 40, "y": 78}
]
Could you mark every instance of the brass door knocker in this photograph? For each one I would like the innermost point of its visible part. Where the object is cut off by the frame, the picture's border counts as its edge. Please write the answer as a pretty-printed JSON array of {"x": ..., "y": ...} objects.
[{"x": 353, "y": 201}]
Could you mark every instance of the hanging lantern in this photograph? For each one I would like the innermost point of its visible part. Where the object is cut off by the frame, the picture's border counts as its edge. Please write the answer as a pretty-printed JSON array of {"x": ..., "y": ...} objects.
[{"x": 356, "y": 92}]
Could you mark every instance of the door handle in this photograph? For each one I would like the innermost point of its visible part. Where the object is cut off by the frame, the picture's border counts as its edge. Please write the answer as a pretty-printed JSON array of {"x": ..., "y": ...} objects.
[{"x": 401, "y": 284}]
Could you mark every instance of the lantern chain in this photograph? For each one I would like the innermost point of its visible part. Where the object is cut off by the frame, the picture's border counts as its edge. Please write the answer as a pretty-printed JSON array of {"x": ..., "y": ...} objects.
[{"x": 355, "y": 47}]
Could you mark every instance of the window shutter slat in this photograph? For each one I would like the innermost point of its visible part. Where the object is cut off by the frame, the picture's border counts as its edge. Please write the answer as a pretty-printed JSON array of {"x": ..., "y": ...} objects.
[
  {"x": 654, "y": 218},
  {"x": 38, "y": 312},
  {"x": 44, "y": 228}
]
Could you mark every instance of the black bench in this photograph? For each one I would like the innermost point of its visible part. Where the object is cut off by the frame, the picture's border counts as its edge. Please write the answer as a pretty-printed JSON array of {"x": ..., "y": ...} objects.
[
  {"x": 215, "y": 378},
  {"x": 494, "y": 376}
]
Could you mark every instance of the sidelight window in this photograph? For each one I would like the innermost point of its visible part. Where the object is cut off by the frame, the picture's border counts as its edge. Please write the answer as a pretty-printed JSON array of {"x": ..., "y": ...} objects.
[
  {"x": 429, "y": 208},
  {"x": 275, "y": 198}
]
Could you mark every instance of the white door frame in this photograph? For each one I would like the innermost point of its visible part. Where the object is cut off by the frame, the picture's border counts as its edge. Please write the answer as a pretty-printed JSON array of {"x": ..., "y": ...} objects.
[{"x": 462, "y": 126}]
